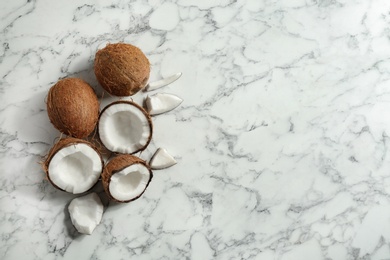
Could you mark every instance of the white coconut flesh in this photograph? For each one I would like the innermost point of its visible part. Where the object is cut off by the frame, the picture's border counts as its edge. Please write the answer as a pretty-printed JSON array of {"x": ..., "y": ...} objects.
[
  {"x": 161, "y": 103},
  {"x": 86, "y": 213},
  {"x": 162, "y": 83},
  {"x": 75, "y": 168},
  {"x": 124, "y": 128},
  {"x": 161, "y": 160},
  {"x": 130, "y": 182}
]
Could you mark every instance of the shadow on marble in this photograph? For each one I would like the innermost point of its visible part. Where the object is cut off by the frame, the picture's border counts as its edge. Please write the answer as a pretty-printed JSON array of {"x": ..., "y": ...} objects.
[
  {"x": 86, "y": 72},
  {"x": 69, "y": 228},
  {"x": 36, "y": 127}
]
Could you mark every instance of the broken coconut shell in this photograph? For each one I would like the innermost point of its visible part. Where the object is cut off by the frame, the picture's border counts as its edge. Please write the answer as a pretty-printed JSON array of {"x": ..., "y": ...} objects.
[
  {"x": 122, "y": 69},
  {"x": 126, "y": 177},
  {"x": 73, "y": 107},
  {"x": 73, "y": 165}
]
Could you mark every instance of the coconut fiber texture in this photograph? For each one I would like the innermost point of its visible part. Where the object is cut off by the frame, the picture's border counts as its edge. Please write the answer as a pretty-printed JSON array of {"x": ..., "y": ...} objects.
[
  {"x": 118, "y": 164},
  {"x": 122, "y": 69},
  {"x": 62, "y": 143},
  {"x": 73, "y": 107}
]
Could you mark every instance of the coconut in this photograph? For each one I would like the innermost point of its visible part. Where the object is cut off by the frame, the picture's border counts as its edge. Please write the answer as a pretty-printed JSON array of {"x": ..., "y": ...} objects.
[
  {"x": 161, "y": 103},
  {"x": 73, "y": 107},
  {"x": 73, "y": 165},
  {"x": 125, "y": 127},
  {"x": 126, "y": 177},
  {"x": 161, "y": 160},
  {"x": 86, "y": 212},
  {"x": 122, "y": 69}
]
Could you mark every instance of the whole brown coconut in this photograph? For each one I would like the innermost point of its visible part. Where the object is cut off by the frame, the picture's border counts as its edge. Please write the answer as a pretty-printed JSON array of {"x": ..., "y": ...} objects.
[
  {"x": 73, "y": 107},
  {"x": 122, "y": 69},
  {"x": 115, "y": 166}
]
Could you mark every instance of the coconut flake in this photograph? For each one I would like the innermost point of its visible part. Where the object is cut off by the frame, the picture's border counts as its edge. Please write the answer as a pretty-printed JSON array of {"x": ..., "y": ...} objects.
[
  {"x": 86, "y": 213},
  {"x": 161, "y": 160},
  {"x": 130, "y": 182},
  {"x": 163, "y": 82},
  {"x": 161, "y": 103},
  {"x": 124, "y": 128},
  {"x": 75, "y": 168}
]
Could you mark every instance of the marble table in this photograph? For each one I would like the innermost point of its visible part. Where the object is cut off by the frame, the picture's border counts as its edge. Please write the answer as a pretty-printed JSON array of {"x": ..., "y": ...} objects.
[{"x": 282, "y": 140}]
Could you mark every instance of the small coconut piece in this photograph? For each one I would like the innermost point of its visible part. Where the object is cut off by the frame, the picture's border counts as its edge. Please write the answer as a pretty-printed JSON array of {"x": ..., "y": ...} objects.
[
  {"x": 125, "y": 127},
  {"x": 122, "y": 69},
  {"x": 86, "y": 213},
  {"x": 162, "y": 83},
  {"x": 161, "y": 102},
  {"x": 126, "y": 177},
  {"x": 73, "y": 107},
  {"x": 161, "y": 160},
  {"x": 73, "y": 165}
]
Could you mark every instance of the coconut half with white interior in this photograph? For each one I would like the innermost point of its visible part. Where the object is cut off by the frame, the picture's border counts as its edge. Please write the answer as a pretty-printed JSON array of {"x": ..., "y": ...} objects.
[
  {"x": 125, "y": 127},
  {"x": 73, "y": 165},
  {"x": 126, "y": 177}
]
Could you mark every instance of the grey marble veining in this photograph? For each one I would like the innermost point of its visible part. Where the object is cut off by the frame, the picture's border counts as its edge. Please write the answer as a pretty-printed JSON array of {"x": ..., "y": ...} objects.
[{"x": 282, "y": 139}]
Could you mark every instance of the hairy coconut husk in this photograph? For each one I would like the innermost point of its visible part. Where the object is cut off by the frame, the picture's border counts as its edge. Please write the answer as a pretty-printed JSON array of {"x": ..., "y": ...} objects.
[
  {"x": 62, "y": 143},
  {"x": 122, "y": 69},
  {"x": 117, "y": 164},
  {"x": 73, "y": 107},
  {"x": 143, "y": 111}
]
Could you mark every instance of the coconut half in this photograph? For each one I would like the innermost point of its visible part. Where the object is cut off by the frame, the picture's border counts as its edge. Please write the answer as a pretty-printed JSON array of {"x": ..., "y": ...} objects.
[
  {"x": 126, "y": 177},
  {"x": 73, "y": 165},
  {"x": 86, "y": 213},
  {"x": 161, "y": 160},
  {"x": 125, "y": 127}
]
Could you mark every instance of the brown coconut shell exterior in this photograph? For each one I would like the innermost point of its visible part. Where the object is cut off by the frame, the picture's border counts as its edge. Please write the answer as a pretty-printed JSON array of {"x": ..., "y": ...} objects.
[
  {"x": 122, "y": 69},
  {"x": 118, "y": 164},
  {"x": 73, "y": 107},
  {"x": 62, "y": 143},
  {"x": 142, "y": 110}
]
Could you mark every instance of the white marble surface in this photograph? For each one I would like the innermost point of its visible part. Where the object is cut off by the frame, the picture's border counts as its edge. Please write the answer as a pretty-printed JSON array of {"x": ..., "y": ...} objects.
[{"x": 282, "y": 140}]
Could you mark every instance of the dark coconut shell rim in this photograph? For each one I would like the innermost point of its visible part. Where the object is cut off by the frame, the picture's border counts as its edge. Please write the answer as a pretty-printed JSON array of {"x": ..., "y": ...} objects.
[
  {"x": 63, "y": 143},
  {"x": 106, "y": 175},
  {"x": 142, "y": 110}
]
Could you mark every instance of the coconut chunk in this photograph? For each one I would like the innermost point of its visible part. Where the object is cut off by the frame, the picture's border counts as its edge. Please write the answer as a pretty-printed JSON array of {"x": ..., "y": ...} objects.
[
  {"x": 86, "y": 213},
  {"x": 161, "y": 103},
  {"x": 125, "y": 127},
  {"x": 73, "y": 165},
  {"x": 126, "y": 177},
  {"x": 161, "y": 160},
  {"x": 162, "y": 83}
]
